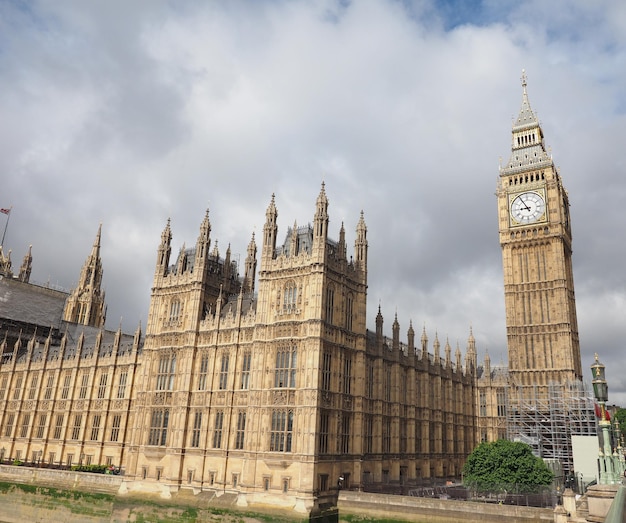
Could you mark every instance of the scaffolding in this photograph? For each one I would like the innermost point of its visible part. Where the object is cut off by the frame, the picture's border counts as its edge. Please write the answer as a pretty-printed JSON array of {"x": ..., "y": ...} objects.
[{"x": 546, "y": 418}]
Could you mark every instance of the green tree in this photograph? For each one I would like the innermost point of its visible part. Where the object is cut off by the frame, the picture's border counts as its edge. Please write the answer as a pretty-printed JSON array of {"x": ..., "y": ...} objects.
[
  {"x": 620, "y": 416},
  {"x": 494, "y": 466}
]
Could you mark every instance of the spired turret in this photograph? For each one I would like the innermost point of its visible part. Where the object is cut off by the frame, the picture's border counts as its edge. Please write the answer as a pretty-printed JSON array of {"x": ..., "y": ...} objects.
[
  {"x": 270, "y": 230},
  {"x": 85, "y": 304},
  {"x": 203, "y": 243},
  {"x": 164, "y": 251},
  {"x": 360, "y": 244},
  {"x": 185, "y": 291},
  {"x": 250, "y": 268},
  {"x": 320, "y": 222},
  {"x": 27, "y": 265}
]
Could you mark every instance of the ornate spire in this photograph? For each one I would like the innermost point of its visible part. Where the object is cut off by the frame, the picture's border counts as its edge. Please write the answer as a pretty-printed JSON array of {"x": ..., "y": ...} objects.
[
  {"x": 410, "y": 336},
  {"x": 164, "y": 251},
  {"x": 204, "y": 241},
  {"x": 395, "y": 329},
  {"x": 27, "y": 265},
  {"x": 250, "y": 269},
  {"x": 320, "y": 221},
  {"x": 270, "y": 230},
  {"x": 527, "y": 147},
  {"x": 360, "y": 244},
  {"x": 85, "y": 304}
]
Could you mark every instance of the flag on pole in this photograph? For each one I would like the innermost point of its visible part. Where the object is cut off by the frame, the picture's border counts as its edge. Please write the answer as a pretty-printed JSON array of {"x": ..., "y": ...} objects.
[{"x": 5, "y": 211}]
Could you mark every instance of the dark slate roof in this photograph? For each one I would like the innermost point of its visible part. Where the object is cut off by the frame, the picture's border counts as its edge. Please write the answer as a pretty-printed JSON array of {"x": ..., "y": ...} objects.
[
  {"x": 230, "y": 307},
  {"x": 30, "y": 303}
]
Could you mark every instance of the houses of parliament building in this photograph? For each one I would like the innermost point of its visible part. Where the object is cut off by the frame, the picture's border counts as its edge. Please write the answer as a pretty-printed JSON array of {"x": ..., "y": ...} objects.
[{"x": 267, "y": 383}]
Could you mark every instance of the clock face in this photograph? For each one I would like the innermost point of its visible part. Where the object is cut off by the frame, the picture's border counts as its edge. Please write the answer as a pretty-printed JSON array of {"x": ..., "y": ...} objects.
[{"x": 527, "y": 207}]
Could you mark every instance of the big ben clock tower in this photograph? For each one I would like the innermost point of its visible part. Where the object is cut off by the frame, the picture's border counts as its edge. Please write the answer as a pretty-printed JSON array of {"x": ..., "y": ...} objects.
[{"x": 536, "y": 240}]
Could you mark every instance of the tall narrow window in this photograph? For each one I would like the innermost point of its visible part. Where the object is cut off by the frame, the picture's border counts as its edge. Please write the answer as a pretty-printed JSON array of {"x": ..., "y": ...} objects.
[
  {"x": 386, "y": 434},
  {"x": 281, "y": 431},
  {"x": 330, "y": 304},
  {"x": 347, "y": 374},
  {"x": 121, "y": 386},
  {"x": 387, "y": 382},
  {"x": 25, "y": 425},
  {"x": 82, "y": 392},
  {"x": 175, "y": 310},
  {"x": 195, "y": 432},
  {"x": 349, "y": 306},
  {"x": 102, "y": 389},
  {"x": 501, "y": 400},
  {"x": 49, "y": 387},
  {"x": 326, "y": 370},
  {"x": 245, "y": 370},
  {"x": 370, "y": 379},
  {"x": 217, "y": 431},
  {"x": 18, "y": 387},
  {"x": 65, "y": 391},
  {"x": 241, "y": 429},
  {"x": 78, "y": 419},
  {"x": 41, "y": 426},
  {"x": 323, "y": 433},
  {"x": 285, "y": 373},
  {"x": 369, "y": 433},
  {"x": 204, "y": 366},
  {"x": 290, "y": 297},
  {"x": 483, "y": 403},
  {"x": 115, "y": 427},
  {"x": 58, "y": 426},
  {"x": 158, "y": 427},
  {"x": 224, "y": 372},
  {"x": 403, "y": 435},
  {"x": 165, "y": 373},
  {"x": 3, "y": 386},
  {"x": 345, "y": 434},
  {"x": 95, "y": 427},
  {"x": 8, "y": 428},
  {"x": 33, "y": 387}
]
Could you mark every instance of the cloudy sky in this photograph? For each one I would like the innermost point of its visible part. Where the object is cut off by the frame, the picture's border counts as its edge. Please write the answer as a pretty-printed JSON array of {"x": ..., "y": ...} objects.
[{"x": 130, "y": 113}]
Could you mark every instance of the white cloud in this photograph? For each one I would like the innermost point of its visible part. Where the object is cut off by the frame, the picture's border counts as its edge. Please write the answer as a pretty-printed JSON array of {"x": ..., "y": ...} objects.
[{"x": 128, "y": 114}]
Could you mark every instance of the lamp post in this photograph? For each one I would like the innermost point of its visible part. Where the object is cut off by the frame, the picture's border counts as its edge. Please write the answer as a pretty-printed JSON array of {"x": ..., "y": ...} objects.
[{"x": 610, "y": 466}]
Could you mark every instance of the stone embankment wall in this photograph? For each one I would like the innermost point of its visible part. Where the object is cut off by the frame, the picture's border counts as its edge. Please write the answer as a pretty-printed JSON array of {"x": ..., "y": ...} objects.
[
  {"x": 42, "y": 495},
  {"x": 429, "y": 510}
]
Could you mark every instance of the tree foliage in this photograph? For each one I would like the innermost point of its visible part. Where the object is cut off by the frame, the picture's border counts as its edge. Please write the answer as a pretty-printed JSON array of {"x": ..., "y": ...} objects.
[
  {"x": 620, "y": 416},
  {"x": 492, "y": 465}
]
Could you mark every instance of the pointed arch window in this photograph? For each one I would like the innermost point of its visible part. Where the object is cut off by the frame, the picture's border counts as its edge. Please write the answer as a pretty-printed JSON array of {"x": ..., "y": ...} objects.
[
  {"x": 281, "y": 433},
  {"x": 285, "y": 372},
  {"x": 290, "y": 297},
  {"x": 330, "y": 303},
  {"x": 175, "y": 308},
  {"x": 165, "y": 372},
  {"x": 349, "y": 310}
]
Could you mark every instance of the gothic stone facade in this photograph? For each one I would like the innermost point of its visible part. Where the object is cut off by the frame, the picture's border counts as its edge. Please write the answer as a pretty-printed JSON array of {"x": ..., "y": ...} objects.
[{"x": 277, "y": 393}]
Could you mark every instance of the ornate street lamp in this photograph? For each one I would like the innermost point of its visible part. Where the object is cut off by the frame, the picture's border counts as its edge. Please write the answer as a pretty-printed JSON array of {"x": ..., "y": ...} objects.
[{"x": 610, "y": 465}]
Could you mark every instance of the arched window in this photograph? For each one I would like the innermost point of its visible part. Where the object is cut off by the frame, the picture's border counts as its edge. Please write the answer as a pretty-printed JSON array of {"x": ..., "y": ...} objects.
[
  {"x": 290, "y": 297},
  {"x": 175, "y": 310},
  {"x": 285, "y": 372},
  {"x": 281, "y": 433}
]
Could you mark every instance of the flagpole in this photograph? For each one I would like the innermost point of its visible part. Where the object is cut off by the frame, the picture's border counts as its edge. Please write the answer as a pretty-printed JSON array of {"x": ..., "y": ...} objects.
[{"x": 6, "y": 225}]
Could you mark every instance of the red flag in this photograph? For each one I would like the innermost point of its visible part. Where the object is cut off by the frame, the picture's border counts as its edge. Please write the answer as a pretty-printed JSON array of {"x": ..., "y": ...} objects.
[
  {"x": 5, "y": 211},
  {"x": 599, "y": 412}
]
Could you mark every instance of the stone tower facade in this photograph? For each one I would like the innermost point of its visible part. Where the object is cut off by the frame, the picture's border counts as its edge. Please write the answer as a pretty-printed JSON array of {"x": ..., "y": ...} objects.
[
  {"x": 274, "y": 393},
  {"x": 85, "y": 304},
  {"x": 536, "y": 241}
]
